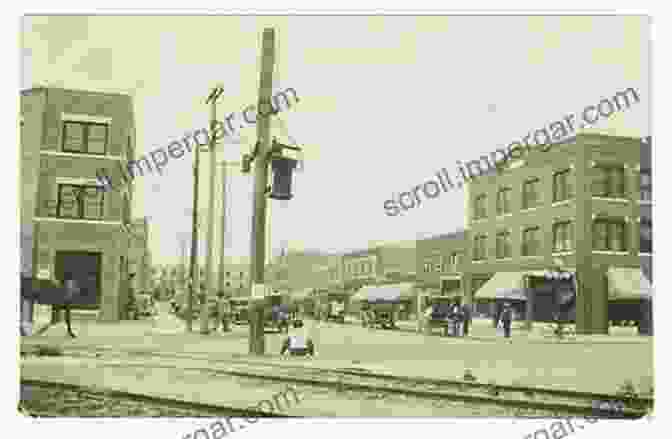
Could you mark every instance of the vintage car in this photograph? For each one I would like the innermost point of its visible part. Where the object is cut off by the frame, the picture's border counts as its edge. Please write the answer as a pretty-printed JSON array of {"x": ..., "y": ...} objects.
[
  {"x": 332, "y": 305},
  {"x": 379, "y": 314}
]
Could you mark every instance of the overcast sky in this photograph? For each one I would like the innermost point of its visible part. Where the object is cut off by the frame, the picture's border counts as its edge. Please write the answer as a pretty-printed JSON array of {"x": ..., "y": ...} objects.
[{"x": 385, "y": 102}]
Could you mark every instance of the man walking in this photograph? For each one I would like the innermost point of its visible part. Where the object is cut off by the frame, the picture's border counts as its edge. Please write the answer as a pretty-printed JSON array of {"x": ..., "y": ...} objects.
[
  {"x": 71, "y": 292},
  {"x": 223, "y": 311},
  {"x": 506, "y": 318},
  {"x": 466, "y": 312}
]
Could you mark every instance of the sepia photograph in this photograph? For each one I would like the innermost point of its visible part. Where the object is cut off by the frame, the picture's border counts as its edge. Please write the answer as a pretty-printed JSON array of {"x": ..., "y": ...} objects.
[{"x": 238, "y": 217}]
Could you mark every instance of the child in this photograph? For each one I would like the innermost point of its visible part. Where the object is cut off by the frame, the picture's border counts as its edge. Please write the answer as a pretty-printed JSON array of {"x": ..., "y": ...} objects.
[{"x": 298, "y": 343}]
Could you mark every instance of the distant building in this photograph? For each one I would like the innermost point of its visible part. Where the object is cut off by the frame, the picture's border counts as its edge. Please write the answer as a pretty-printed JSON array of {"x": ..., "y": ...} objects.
[
  {"x": 583, "y": 207},
  {"x": 441, "y": 263},
  {"x": 67, "y": 135},
  {"x": 383, "y": 263}
]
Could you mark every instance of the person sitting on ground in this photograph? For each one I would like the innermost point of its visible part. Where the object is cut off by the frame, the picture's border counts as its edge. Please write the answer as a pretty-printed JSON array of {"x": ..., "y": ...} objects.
[{"x": 297, "y": 342}]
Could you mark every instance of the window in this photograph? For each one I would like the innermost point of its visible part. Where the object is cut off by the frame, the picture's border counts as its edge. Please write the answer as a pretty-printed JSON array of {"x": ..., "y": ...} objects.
[
  {"x": 609, "y": 182},
  {"x": 480, "y": 247},
  {"x": 480, "y": 207},
  {"x": 503, "y": 245},
  {"x": 504, "y": 201},
  {"x": 563, "y": 185},
  {"x": 645, "y": 236},
  {"x": 531, "y": 243},
  {"x": 645, "y": 185},
  {"x": 228, "y": 274},
  {"x": 563, "y": 236},
  {"x": 609, "y": 235},
  {"x": 531, "y": 195},
  {"x": 228, "y": 284},
  {"x": 427, "y": 267},
  {"x": 85, "y": 137},
  {"x": 80, "y": 202},
  {"x": 242, "y": 274}
]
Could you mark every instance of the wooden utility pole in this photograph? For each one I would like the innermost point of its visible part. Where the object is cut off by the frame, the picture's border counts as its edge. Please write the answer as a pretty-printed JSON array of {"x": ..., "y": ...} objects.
[
  {"x": 222, "y": 238},
  {"x": 193, "y": 265},
  {"x": 209, "y": 268},
  {"x": 257, "y": 265}
]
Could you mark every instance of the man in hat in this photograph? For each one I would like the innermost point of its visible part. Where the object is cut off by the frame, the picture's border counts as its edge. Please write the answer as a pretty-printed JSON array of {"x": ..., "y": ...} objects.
[{"x": 506, "y": 318}]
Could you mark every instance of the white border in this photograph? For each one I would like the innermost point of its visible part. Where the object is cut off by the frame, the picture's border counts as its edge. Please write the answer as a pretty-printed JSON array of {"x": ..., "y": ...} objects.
[{"x": 391, "y": 427}]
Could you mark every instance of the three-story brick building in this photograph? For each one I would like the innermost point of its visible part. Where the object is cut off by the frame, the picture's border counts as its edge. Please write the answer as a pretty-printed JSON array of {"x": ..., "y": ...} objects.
[
  {"x": 580, "y": 207},
  {"x": 78, "y": 226}
]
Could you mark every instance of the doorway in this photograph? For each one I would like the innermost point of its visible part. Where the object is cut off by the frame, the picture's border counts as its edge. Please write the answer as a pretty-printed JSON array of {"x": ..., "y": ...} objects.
[{"x": 85, "y": 267}]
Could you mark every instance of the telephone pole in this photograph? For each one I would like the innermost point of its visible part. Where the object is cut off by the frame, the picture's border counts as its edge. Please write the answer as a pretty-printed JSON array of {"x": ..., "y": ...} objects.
[
  {"x": 257, "y": 265},
  {"x": 193, "y": 265},
  {"x": 209, "y": 269},
  {"x": 222, "y": 238}
]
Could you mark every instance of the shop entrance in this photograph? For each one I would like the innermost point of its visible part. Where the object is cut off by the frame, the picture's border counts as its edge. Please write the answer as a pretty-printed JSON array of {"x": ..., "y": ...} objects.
[{"x": 85, "y": 267}]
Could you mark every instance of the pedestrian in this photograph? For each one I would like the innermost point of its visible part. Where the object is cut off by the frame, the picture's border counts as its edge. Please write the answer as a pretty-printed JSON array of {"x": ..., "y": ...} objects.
[
  {"x": 466, "y": 312},
  {"x": 71, "y": 292},
  {"x": 223, "y": 312},
  {"x": 506, "y": 318},
  {"x": 298, "y": 343},
  {"x": 458, "y": 315}
]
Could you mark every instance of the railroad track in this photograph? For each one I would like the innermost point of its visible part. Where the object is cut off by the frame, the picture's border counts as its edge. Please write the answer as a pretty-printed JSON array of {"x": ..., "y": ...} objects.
[
  {"x": 124, "y": 404},
  {"x": 562, "y": 402}
]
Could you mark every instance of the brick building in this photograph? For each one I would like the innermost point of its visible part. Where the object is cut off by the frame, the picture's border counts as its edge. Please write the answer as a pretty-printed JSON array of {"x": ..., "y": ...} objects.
[
  {"x": 582, "y": 207},
  {"x": 440, "y": 263},
  {"x": 384, "y": 263},
  {"x": 66, "y": 137}
]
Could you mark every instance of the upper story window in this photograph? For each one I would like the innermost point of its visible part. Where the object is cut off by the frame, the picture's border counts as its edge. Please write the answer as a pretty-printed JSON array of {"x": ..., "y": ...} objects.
[
  {"x": 228, "y": 274},
  {"x": 427, "y": 267},
  {"x": 531, "y": 241},
  {"x": 531, "y": 193},
  {"x": 85, "y": 137},
  {"x": 563, "y": 236},
  {"x": 242, "y": 274},
  {"x": 563, "y": 185},
  {"x": 609, "y": 235},
  {"x": 480, "y": 210},
  {"x": 645, "y": 184},
  {"x": 504, "y": 201},
  {"x": 608, "y": 181},
  {"x": 480, "y": 247},
  {"x": 503, "y": 245},
  {"x": 645, "y": 236},
  {"x": 80, "y": 202}
]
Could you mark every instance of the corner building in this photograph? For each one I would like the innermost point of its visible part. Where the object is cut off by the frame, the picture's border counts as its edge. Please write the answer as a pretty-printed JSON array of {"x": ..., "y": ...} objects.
[
  {"x": 80, "y": 228},
  {"x": 583, "y": 207}
]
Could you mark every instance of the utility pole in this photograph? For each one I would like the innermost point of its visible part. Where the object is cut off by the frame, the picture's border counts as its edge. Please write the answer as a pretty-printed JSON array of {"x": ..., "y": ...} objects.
[
  {"x": 193, "y": 265},
  {"x": 222, "y": 238},
  {"x": 256, "y": 306},
  {"x": 209, "y": 269}
]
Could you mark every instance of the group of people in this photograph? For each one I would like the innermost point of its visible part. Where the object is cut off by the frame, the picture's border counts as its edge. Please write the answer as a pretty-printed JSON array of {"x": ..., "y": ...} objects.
[{"x": 456, "y": 315}]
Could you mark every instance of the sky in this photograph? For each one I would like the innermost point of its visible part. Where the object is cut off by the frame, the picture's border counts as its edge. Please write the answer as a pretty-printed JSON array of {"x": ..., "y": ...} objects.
[{"x": 384, "y": 103}]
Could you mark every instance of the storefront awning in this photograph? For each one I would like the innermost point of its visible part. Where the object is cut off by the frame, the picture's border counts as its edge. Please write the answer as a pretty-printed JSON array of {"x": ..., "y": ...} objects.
[
  {"x": 503, "y": 285},
  {"x": 628, "y": 284},
  {"x": 386, "y": 293}
]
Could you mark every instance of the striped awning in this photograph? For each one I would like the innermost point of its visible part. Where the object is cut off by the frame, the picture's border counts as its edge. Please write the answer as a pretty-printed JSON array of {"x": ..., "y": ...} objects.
[
  {"x": 628, "y": 284},
  {"x": 503, "y": 285}
]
